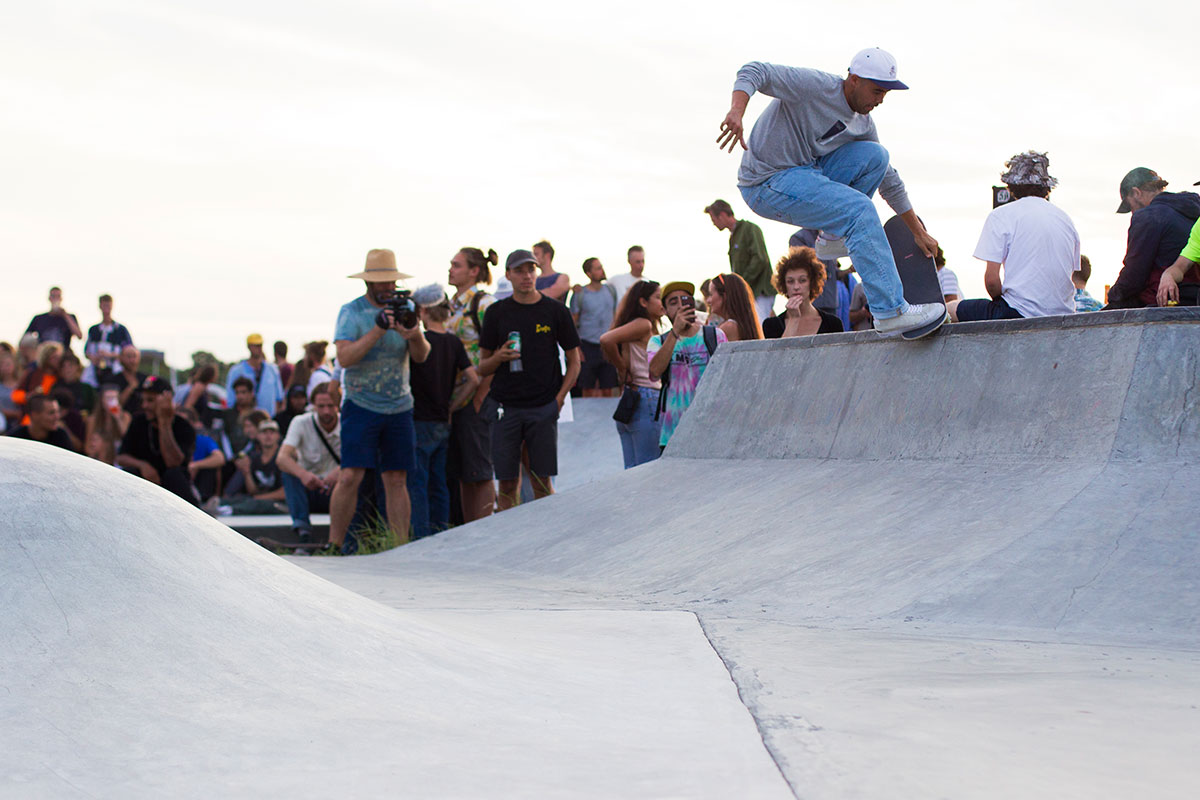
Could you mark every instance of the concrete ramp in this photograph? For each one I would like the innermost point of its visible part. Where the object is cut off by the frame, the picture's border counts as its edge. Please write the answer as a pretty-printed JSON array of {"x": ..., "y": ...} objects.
[
  {"x": 147, "y": 650},
  {"x": 946, "y": 568}
]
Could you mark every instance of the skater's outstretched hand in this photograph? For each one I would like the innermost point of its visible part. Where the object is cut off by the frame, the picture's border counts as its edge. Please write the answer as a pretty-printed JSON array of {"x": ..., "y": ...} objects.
[{"x": 731, "y": 128}]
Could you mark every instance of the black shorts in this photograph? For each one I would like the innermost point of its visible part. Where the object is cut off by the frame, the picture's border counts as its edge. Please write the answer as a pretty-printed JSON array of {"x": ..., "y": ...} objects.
[
  {"x": 595, "y": 372},
  {"x": 537, "y": 429},
  {"x": 980, "y": 310},
  {"x": 470, "y": 457}
]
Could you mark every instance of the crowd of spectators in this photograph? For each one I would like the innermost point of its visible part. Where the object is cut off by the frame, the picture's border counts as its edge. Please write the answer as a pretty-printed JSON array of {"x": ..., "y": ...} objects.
[{"x": 449, "y": 401}]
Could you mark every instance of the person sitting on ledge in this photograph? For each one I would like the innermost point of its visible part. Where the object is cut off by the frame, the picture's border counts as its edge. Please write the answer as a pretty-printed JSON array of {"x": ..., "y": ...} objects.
[
  {"x": 1189, "y": 259},
  {"x": 800, "y": 277},
  {"x": 1036, "y": 243},
  {"x": 1158, "y": 231}
]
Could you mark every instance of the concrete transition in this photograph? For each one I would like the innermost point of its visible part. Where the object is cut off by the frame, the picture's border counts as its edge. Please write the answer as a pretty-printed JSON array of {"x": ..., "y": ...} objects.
[{"x": 963, "y": 567}]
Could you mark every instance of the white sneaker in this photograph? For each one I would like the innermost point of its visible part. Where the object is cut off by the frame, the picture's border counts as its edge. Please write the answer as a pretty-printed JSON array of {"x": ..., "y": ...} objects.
[
  {"x": 915, "y": 317},
  {"x": 831, "y": 248}
]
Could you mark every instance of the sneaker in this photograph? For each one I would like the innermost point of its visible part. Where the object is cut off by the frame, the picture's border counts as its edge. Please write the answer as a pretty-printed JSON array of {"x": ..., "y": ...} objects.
[
  {"x": 831, "y": 248},
  {"x": 224, "y": 511},
  {"x": 917, "y": 316}
]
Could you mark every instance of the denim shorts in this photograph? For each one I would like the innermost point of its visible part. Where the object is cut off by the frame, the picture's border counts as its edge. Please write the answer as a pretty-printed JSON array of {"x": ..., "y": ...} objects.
[{"x": 370, "y": 440}]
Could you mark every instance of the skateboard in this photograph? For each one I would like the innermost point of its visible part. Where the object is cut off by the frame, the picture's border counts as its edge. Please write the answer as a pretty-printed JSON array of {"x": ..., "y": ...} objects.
[{"x": 917, "y": 271}]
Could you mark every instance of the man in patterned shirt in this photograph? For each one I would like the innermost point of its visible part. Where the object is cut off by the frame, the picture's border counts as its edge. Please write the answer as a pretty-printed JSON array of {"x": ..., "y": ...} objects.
[{"x": 470, "y": 459}]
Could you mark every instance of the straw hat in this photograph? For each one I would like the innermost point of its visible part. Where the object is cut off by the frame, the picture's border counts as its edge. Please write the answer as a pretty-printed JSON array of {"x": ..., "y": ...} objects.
[{"x": 381, "y": 268}]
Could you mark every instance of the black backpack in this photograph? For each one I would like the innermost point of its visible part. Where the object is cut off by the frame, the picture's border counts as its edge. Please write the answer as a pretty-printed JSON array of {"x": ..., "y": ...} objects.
[{"x": 710, "y": 342}]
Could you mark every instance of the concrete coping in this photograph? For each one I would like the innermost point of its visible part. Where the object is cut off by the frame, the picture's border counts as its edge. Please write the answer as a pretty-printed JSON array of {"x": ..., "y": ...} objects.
[{"x": 1129, "y": 316}]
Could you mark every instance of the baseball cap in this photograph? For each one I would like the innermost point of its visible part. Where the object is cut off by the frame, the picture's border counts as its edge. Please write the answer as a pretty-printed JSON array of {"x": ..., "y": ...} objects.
[
  {"x": 153, "y": 383},
  {"x": 1138, "y": 176},
  {"x": 518, "y": 257},
  {"x": 678, "y": 286},
  {"x": 254, "y": 338},
  {"x": 268, "y": 425},
  {"x": 877, "y": 66}
]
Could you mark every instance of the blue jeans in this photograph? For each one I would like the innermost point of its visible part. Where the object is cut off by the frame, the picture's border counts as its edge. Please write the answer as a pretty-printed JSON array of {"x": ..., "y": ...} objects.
[
  {"x": 427, "y": 487},
  {"x": 301, "y": 501},
  {"x": 833, "y": 194},
  {"x": 639, "y": 436}
]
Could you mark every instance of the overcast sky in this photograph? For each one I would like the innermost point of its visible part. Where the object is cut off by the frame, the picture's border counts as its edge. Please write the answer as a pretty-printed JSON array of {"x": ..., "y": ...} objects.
[{"x": 220, "y": 167}]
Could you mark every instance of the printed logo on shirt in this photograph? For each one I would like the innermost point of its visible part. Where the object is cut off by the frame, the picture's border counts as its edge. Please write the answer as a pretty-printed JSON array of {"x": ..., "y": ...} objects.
[{"x": 539, "y": 328}]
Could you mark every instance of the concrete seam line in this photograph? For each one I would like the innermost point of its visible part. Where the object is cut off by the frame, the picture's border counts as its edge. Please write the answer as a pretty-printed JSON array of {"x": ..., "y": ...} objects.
[{"x": 742, "y": 699}]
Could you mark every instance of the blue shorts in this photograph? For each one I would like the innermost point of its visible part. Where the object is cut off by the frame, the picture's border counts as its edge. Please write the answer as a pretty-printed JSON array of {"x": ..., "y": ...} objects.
[
  {"x": 980, "y": 310},
  {"x": 387, "y": 442}
]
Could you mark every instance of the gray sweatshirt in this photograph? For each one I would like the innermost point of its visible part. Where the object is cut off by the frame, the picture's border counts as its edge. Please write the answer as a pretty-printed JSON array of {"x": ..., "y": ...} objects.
[{"x": 808, "y": 118}]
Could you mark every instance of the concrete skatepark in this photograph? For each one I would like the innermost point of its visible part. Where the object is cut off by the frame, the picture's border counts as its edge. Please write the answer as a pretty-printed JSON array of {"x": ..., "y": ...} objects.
[{"x": 963, "y": 567}]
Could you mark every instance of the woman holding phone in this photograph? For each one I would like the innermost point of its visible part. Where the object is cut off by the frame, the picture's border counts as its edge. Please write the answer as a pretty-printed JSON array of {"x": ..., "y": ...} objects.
[{"x": 624, "y": 346}]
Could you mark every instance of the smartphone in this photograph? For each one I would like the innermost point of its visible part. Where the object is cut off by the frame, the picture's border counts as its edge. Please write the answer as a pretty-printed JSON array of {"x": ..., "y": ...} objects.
[{"x": 687, "y": 301}]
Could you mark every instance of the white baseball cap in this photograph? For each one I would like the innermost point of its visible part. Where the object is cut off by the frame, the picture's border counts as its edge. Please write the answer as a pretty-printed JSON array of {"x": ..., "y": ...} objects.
[{"x": 877, "y": 66}]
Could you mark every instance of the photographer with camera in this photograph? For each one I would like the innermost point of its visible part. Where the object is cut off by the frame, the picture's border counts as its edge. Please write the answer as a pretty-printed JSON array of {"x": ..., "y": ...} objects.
[{"x": 376, "y": 335}]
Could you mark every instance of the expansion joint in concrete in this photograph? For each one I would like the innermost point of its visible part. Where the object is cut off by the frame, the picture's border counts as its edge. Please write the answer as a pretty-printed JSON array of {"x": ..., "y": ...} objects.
[{"x": 762, "y": 733}]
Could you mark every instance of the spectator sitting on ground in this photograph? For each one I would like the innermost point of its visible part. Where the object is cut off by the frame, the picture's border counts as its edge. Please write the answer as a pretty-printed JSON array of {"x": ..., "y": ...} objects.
[
  {"x": 681, "y": 355},
  {"x": 27, "y": 350},
  {"x": 232, "y": 419},
  {"x": 205, "y": 467},
  {"x": 262, "y": 480},
  {"x": 1083, "y": 300},
  {"x": 70, "y": 372},
  {"x": 194, "y": 394},
  {"x": 297, "y": 402},
  {"x": 42, "y": 376},
  {"x": 1189, "y": 259},
  {"x": 158, "y": 445},
  {"x": 310, "y": 458},
  {"x": 69, "y": 418},
  {"x": 434, "y": 394},
  {"x": 636, "y": 256},
  {"x": 264, "y": 377},
  {"x": 10, "y": 412},
  {"x": 947, "y": 280},
  {"x": 729, "y": 297},
  {"x": 625, "y": 347},
  {"x": 44, "y": 425},
  {"x": 130, "y": 379},
  {"x": 528, "y": 384},
  {"x": 1036, "y": 243},
  {"x": 554, "y": 285},
  {"x": 800, "y": 277},
  {"x": 281, "y": 362},
  {"x": 470, "y": 460},
  {"x": 106, "y": 425},
  {"x": 593, "y": 308},
  {"x": 1158, "y": 231},
  {"x": 56, "y": 325},
  {"x": 104, "y": 343}
]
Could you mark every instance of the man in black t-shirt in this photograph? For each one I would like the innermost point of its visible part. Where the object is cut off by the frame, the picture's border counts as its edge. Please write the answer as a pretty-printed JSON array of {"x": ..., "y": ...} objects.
[
  {"x": 56, "y": 325},
  {"x": 434, "y": 394},
  {"x": 159, "y": 442},
  {"x": 44, "y": 425},
  {"x": 529, "y": 383}
]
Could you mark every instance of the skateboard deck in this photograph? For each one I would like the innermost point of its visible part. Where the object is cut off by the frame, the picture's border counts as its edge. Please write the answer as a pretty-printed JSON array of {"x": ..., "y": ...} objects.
[{"x": 917, "y": 271}]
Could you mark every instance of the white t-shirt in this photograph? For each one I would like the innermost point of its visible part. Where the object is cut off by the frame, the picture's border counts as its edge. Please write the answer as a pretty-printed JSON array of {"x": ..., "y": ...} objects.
[
  {"x": 623, "y": 283},
  {"x": 310, "y": 453},
  {"x": 322, "y": 374},
  {"x": 1039, "y": 247},
  {"x": 949, "y": 282}
]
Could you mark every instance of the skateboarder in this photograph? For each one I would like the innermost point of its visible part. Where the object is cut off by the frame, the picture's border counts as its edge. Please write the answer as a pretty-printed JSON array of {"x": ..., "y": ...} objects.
[{"x": 814, "y": 160}]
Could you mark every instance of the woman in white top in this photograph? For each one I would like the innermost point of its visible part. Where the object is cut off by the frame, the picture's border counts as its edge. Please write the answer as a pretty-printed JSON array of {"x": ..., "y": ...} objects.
[{"x": 624, "y": 346}]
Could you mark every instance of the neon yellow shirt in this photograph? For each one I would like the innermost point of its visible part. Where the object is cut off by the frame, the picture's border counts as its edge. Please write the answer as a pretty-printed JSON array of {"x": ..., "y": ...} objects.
[{"x": 1191, "y": 250}]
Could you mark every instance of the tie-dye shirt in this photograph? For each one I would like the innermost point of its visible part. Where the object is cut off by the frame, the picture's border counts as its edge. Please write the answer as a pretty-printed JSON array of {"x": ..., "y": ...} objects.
[
  {"x": 687, "y": 366},
  {"x": 1085, "y": 302},
  {"x": 379, "y": 382}
]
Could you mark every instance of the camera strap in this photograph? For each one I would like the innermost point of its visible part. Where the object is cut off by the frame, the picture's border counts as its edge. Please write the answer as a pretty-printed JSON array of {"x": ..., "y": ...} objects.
[{"x": 324, "y": 441}]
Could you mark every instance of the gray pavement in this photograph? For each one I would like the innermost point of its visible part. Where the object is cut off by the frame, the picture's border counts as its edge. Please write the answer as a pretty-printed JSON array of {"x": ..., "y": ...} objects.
[{"x": 962, "y": 567}]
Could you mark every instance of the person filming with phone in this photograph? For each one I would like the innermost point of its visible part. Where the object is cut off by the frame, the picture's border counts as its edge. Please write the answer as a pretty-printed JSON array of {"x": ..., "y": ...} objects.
[
  {"x": 376, "y": 336},
  {"x": 680, "y": 356}
]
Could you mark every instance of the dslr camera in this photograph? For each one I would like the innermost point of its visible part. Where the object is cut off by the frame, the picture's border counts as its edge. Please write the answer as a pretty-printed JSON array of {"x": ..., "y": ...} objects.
[{"x": 403, "y": 309}]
